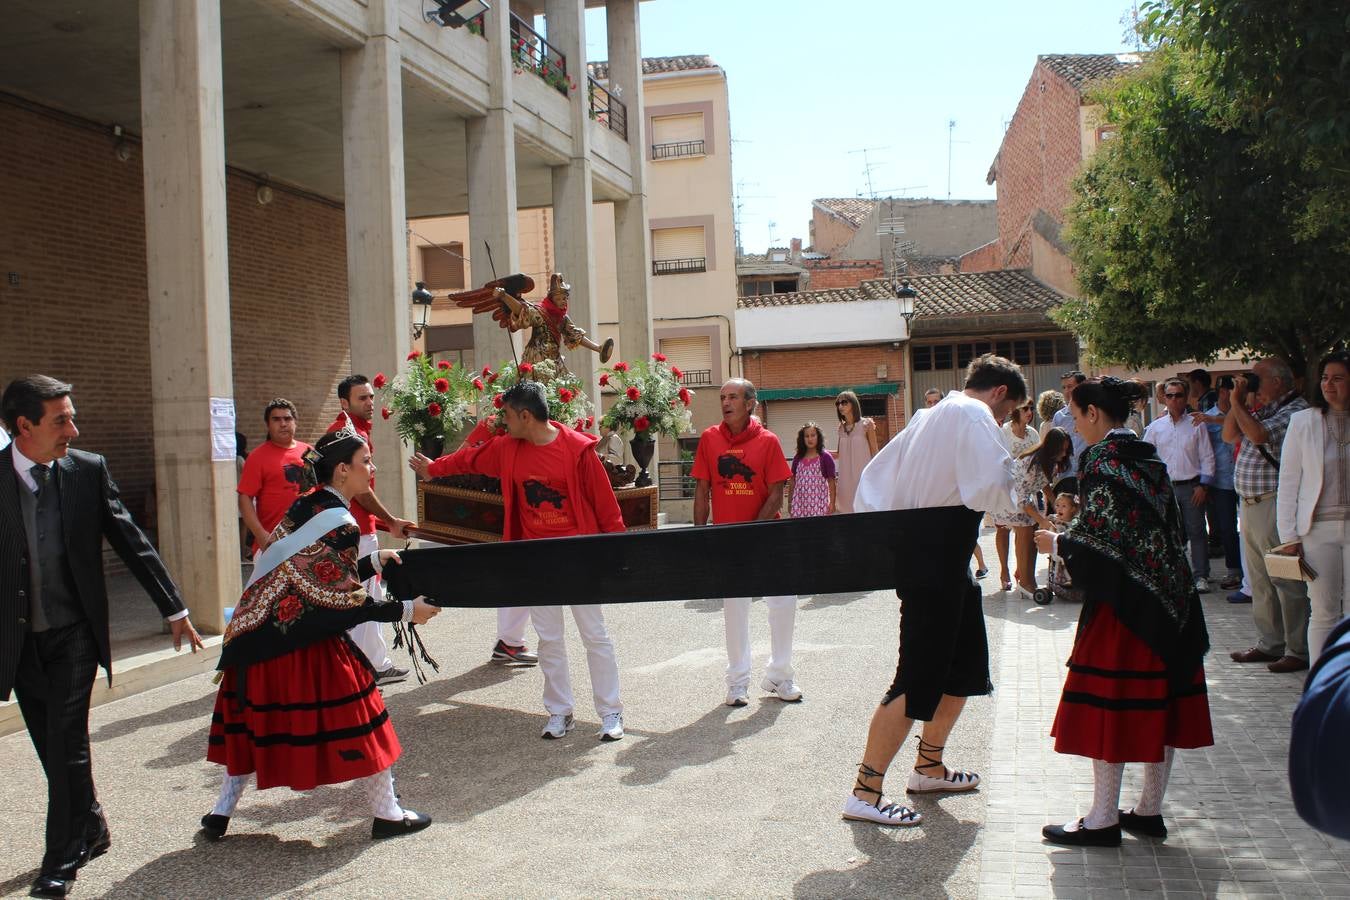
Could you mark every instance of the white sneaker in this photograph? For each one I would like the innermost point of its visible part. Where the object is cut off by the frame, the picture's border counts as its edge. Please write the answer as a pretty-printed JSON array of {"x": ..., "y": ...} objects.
[
  {"x": 920, "y": 783},
  {"x": 738, "y": 695},
  {"x": 557, "y": 727},
  {"x": 890, "y": 814},
  {"x": 611, "y": 727},
  {"x": 786, "y": 690},
  {"x": 1201, "y": 584}
]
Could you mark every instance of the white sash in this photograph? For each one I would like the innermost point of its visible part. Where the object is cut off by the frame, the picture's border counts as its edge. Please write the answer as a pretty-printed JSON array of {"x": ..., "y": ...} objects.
[{"x": 277, "y": 553}]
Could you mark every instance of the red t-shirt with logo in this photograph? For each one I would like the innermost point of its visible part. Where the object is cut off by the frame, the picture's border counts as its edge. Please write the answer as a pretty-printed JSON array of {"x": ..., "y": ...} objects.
[
  {"x": 540, "y": 476},
  {"x": 272, "y": 477},
  {"x": 365, "y": 519},
  {"x": 740, "y": 469}
]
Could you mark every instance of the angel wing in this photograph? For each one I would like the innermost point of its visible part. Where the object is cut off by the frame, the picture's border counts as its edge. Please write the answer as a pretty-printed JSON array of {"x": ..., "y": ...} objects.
[{"x": 483, "y": 299}]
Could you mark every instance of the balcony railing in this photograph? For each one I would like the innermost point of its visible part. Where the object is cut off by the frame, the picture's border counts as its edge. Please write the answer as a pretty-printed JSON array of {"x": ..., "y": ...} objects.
[
  {"x": 530, "y": 51},
  {"x": 696, "y": 378},
  {"x": 676, "y": 482},
  {"x": 679, "y": 266},
  {"x": 607, "y": 109},
  {"x": 678, "y": 149}
]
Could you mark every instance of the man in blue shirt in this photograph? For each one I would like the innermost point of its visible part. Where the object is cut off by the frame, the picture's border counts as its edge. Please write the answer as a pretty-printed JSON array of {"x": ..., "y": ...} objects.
[
  {"x": 1064, "y": 418},
  {"x": 1223, "y": 499}
]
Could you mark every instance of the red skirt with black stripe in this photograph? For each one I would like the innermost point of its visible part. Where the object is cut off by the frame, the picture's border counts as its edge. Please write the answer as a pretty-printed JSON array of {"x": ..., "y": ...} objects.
[
  {"x": 311, "y": 717},
  {"x": 1117, "y": 704}
]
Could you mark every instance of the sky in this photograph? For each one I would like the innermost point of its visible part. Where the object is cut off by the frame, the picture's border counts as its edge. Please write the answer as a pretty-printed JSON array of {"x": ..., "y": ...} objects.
[{"x": 810, "y": 90}]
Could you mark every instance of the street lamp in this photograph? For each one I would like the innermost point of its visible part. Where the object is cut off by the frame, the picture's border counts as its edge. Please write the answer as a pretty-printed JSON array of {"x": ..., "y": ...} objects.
[
  {"x": 423, "y": 298},
  {"x": 456, "y": 13},
  {"x": 906, "y": 295}
]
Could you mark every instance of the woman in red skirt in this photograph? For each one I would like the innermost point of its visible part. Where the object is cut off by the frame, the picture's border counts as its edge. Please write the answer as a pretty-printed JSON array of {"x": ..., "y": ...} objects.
[
  {"x": 297, "y": 705},
  {"x": 1136, "y": 683}
]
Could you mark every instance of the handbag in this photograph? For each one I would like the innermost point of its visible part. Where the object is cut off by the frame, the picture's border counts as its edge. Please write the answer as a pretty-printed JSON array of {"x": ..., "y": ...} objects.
[{"x": 1290, "y": 568}]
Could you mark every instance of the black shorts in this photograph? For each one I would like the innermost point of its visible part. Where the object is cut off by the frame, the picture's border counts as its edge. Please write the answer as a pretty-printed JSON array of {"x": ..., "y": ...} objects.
[{"x": 943, "y": 647}]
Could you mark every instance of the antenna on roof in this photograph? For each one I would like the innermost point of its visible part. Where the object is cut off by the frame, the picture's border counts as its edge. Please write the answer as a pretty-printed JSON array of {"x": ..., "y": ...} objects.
[
  {"x": 868, "y": 166},
  {"x": 951, "y": 128}
]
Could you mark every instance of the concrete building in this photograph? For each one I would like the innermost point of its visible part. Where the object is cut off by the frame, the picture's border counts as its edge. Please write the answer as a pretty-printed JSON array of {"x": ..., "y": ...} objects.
[
  {"x": 689, "y": 242},
  {"x": 206, "y": 204}
]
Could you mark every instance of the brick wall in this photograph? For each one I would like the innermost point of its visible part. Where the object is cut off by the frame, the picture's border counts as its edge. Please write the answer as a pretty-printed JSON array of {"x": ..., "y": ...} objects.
[
  {"x": 1040, "y": 155},
  {"x": 982, "y": 259},
  {"x": 841, "y": 273},
  {"x": 73, "y": 233},
  {"x": 832, "y": 366},
  {"x": 828, "y": 233}
]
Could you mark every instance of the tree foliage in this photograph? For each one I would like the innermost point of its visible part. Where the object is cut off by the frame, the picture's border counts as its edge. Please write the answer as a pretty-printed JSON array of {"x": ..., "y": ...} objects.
[{"x": 1216, "y": 219}]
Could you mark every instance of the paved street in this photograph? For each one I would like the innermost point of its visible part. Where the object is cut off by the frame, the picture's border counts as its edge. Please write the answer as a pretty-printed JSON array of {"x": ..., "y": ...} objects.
[{"x": 700, "y": 799}]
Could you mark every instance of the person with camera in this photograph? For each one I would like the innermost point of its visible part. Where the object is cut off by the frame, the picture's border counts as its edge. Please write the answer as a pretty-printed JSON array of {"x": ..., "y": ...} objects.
[{"x": 1279, "y": 609}]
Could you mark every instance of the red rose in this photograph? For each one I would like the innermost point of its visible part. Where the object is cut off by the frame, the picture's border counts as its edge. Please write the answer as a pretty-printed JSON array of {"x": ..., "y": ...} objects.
[
  {"x": 581, "y": 425},
  {"x": 478, "y": 384},
  {"x": 659, "y": 357},
  {"x": 289, "y": 608},
  {"x": 684, "y": 396},
  {"x": 441, "y": 385},
  {"x": 526, "y": 369},
  {"x": 442, "y": 365},
  {"x": 492, "y": 379},
  {"x": 604, "y": 379},
  {"x": 487, "y": 370},
  {"x": 565, "y": 395},
  {"x": 590, "y": 420},
  {"x": 641, "y": 423},
  {"x": 634, "y": 393},
  {"x": 675, "y": 370},
  {"x": 379, "y": 381},
  {"x": 384, "y": 412},
  {"x": 434, "y": 409},
  {"x": 414, "y": 354},
  {"x": 621, "y": 367},
  {"x": 327, "y": 571},
  {"x": 497, "y": 401}
]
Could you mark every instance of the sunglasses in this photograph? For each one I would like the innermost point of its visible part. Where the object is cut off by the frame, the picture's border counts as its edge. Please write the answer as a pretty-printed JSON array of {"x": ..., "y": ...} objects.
[
  {"x": 842, "y": 403},
  {"x": 1175, "y": 396}
]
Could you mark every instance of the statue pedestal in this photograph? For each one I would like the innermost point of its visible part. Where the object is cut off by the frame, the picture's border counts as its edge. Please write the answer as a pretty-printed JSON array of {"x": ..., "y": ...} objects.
[{"x": 455, "y": 515}]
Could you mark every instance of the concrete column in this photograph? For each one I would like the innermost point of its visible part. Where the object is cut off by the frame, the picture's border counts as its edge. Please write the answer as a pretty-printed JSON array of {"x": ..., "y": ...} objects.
[
  {"x": 377, "y": 243},
  {"x": 187, "y": 272},
  {"x": 491, "y": 162},
  {"x": 572, "y": 197},
  {"x": 631, "y": 234}
]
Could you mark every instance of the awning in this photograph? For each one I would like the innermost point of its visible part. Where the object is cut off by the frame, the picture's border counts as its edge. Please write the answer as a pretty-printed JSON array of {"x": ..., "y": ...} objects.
[{"x": 804, "y": 393}]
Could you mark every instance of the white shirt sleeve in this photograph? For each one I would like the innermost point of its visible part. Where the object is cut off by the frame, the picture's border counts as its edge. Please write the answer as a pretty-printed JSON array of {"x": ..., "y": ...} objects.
[
  {"x": 988, "y": 471},
  {"x": 1205, "y": 452}
]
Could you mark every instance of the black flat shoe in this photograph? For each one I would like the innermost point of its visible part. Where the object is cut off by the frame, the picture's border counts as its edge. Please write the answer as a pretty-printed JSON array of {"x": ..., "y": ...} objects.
[
  {"x": 214, "y": 826},
  {"x": 50, "y": 886},
  {"x": 1082, "y": 837},
  {"x": 390, "y": 828},
  {"x": 1148, "y": 826},
  {"x": 100, "y": 846}
]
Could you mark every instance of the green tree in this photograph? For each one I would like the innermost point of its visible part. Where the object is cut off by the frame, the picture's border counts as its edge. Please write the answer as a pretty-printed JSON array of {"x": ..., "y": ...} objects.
[{"x": 1203, "y": 226}]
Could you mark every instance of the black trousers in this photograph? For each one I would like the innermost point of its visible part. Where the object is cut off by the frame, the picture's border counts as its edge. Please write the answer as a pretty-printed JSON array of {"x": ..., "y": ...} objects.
[{"x": 53, "y": 683}]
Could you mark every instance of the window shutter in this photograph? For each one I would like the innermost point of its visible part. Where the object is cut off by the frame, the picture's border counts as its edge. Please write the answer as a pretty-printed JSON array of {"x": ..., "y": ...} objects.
[
  {"x": 678, "y": 243},
  {"x": 677, "y": 129},
  {"x": 443, "y": 271},
  {"x": 692, "y": 356},
  {"x": 786, "y": 418}
]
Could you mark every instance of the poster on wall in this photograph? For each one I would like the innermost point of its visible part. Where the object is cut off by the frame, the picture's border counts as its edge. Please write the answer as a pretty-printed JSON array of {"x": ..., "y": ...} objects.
[{"x": 222, "y": 429}]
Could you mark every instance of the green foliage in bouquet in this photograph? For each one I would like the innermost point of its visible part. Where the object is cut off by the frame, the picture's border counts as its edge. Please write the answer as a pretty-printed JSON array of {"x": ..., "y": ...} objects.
[
  {"x": 429, "y": 401},
  {"x": 651, "y": 399},
  {"x": 567, "y": 403}
]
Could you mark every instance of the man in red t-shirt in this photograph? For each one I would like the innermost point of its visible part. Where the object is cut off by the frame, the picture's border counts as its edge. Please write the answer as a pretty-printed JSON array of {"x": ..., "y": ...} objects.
[
  {"x": 553, "y": 485},
  {"x": 357, "y": 399},
  {"x": 741, "y": 471},
  {"x": 272, "y": 474}
]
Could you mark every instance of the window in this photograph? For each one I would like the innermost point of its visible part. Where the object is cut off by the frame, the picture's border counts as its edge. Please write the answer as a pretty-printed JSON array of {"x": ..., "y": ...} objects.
[
  {"x": 678, "y": 136},
  {"x": 1066, "y": 350},
  {"x": 443, "y": 266},
  {"x": 778, "y": 256},
  {"x": 873, "y": 407},
  {"x": 1025, "y": 352},
  {"x": 678, "y": 250},
  {"x": 942, "y": 356},
  {"x": 1022, "y": 353},
  {"x": 923, "y": 359},
  {"x": 1045, "y": 351},
  {"x": 760, "y": 287},
  {"x": 692, "y": 356}
]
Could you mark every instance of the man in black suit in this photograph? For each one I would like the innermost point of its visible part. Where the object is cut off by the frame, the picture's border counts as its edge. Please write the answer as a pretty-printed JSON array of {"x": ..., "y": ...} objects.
[{"x": 56, "y": 507}]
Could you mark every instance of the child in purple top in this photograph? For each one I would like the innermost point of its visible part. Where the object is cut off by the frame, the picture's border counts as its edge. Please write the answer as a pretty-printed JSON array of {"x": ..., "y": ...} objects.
[{"x": 811, "y": 492}]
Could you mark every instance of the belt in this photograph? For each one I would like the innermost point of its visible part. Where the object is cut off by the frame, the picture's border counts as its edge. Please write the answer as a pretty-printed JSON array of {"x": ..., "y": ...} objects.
[
  {"x": 1192, "y": 480},
  {"x": 1252, "y": 501}
]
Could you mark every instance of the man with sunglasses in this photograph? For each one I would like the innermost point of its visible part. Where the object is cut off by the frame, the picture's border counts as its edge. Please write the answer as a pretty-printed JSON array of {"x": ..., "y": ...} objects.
[{"x": 1186, "y": 449}]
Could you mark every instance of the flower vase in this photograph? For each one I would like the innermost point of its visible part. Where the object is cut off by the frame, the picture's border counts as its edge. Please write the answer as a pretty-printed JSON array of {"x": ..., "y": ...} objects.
[
  {"x": 643, "y": 448},
  {"x": 432, "y": 446}
]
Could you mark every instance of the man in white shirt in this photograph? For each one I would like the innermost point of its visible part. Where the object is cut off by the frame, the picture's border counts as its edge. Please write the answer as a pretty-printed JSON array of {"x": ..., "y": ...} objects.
[
  {"x": 953, "y": 455},
  {"x": 1186, "y": 449}
]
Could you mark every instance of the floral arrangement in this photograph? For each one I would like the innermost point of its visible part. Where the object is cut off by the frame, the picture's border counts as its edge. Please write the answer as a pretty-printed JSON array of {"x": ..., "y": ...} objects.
[
  {"x": 567, "y": 402},
  {"x": 651, "y": 399},
  {"x": 428, "y": 402},
  {"x": 526, "y": 56}
]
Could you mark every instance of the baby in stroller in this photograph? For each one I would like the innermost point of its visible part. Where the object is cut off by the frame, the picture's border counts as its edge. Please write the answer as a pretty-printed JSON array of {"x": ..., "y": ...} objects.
[{"x": 1066, "y": 507}]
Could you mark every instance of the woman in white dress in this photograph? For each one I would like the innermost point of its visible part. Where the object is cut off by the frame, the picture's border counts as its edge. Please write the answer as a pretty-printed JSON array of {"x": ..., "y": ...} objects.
[
  {"x": 857, "y": 445},
  {"x": 1037, "y": 469},
  {"x": 1020, "y": 437}
]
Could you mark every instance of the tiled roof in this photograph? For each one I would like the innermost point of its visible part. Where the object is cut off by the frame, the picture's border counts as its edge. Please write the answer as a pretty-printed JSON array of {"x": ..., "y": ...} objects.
[
  {"x": 852, "y": 210},
  {"x": 658, "y": 65},
  {"x": 1080, "y": 68},
  {"x": 940, "y": 296},
  {"x": 929, "y": 265}
]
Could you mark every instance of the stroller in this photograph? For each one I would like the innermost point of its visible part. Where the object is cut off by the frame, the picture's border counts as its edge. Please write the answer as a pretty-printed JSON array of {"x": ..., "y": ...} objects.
[{"x": 1060, "y": 585}]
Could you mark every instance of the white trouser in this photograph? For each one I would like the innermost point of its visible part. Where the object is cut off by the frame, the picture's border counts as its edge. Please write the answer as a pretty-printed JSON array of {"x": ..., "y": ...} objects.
[
  {"x": 1326, "y": 547},
  {"x": 782, "y": 614},
  {"x": 604, "y": 668},
  {"x": 367, "y": 636},
  {"x": 511, "y": 622}
]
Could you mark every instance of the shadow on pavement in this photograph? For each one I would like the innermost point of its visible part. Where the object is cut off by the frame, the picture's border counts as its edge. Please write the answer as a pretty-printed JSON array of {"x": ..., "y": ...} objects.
[
  {"x": 900, "y": 862},
  {"x": 197, "y": 708},
  {"x": 703, "y": 741},
  {"x": 824, "y": 601},
  {"x": 1055, "y": 616}
]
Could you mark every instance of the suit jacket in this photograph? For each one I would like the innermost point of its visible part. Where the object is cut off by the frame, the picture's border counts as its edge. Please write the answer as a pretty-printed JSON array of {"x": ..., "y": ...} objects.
[
  {"x": 90, "y": 512},
  {"x": 1301, "y": 463}
]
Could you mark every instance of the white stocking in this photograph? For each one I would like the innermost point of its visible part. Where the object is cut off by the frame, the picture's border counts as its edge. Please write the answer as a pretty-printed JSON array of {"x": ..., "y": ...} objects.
[
  {"x": 380, "y": 793},
  {"x": 1155, "y": 785},
  {"x": 231, "y": 789},
  {"x": 1105, "y": 810}
]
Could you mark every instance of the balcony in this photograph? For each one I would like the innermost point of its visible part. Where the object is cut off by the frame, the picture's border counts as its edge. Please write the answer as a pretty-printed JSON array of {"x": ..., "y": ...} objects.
[
  {"x": 530, "y": 52},
  {"x": 696, "y": 378},
  {"x": 679, "y": 266},
  {"x": 678, "y": 150},
  {"x": 607, "y": 109}
]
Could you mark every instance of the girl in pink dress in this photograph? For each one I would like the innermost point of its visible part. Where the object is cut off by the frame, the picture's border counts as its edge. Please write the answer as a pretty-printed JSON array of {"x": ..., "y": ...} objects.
[
  {"x": 811, "y": 491},
  {"x": 857, "y": 445}
]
